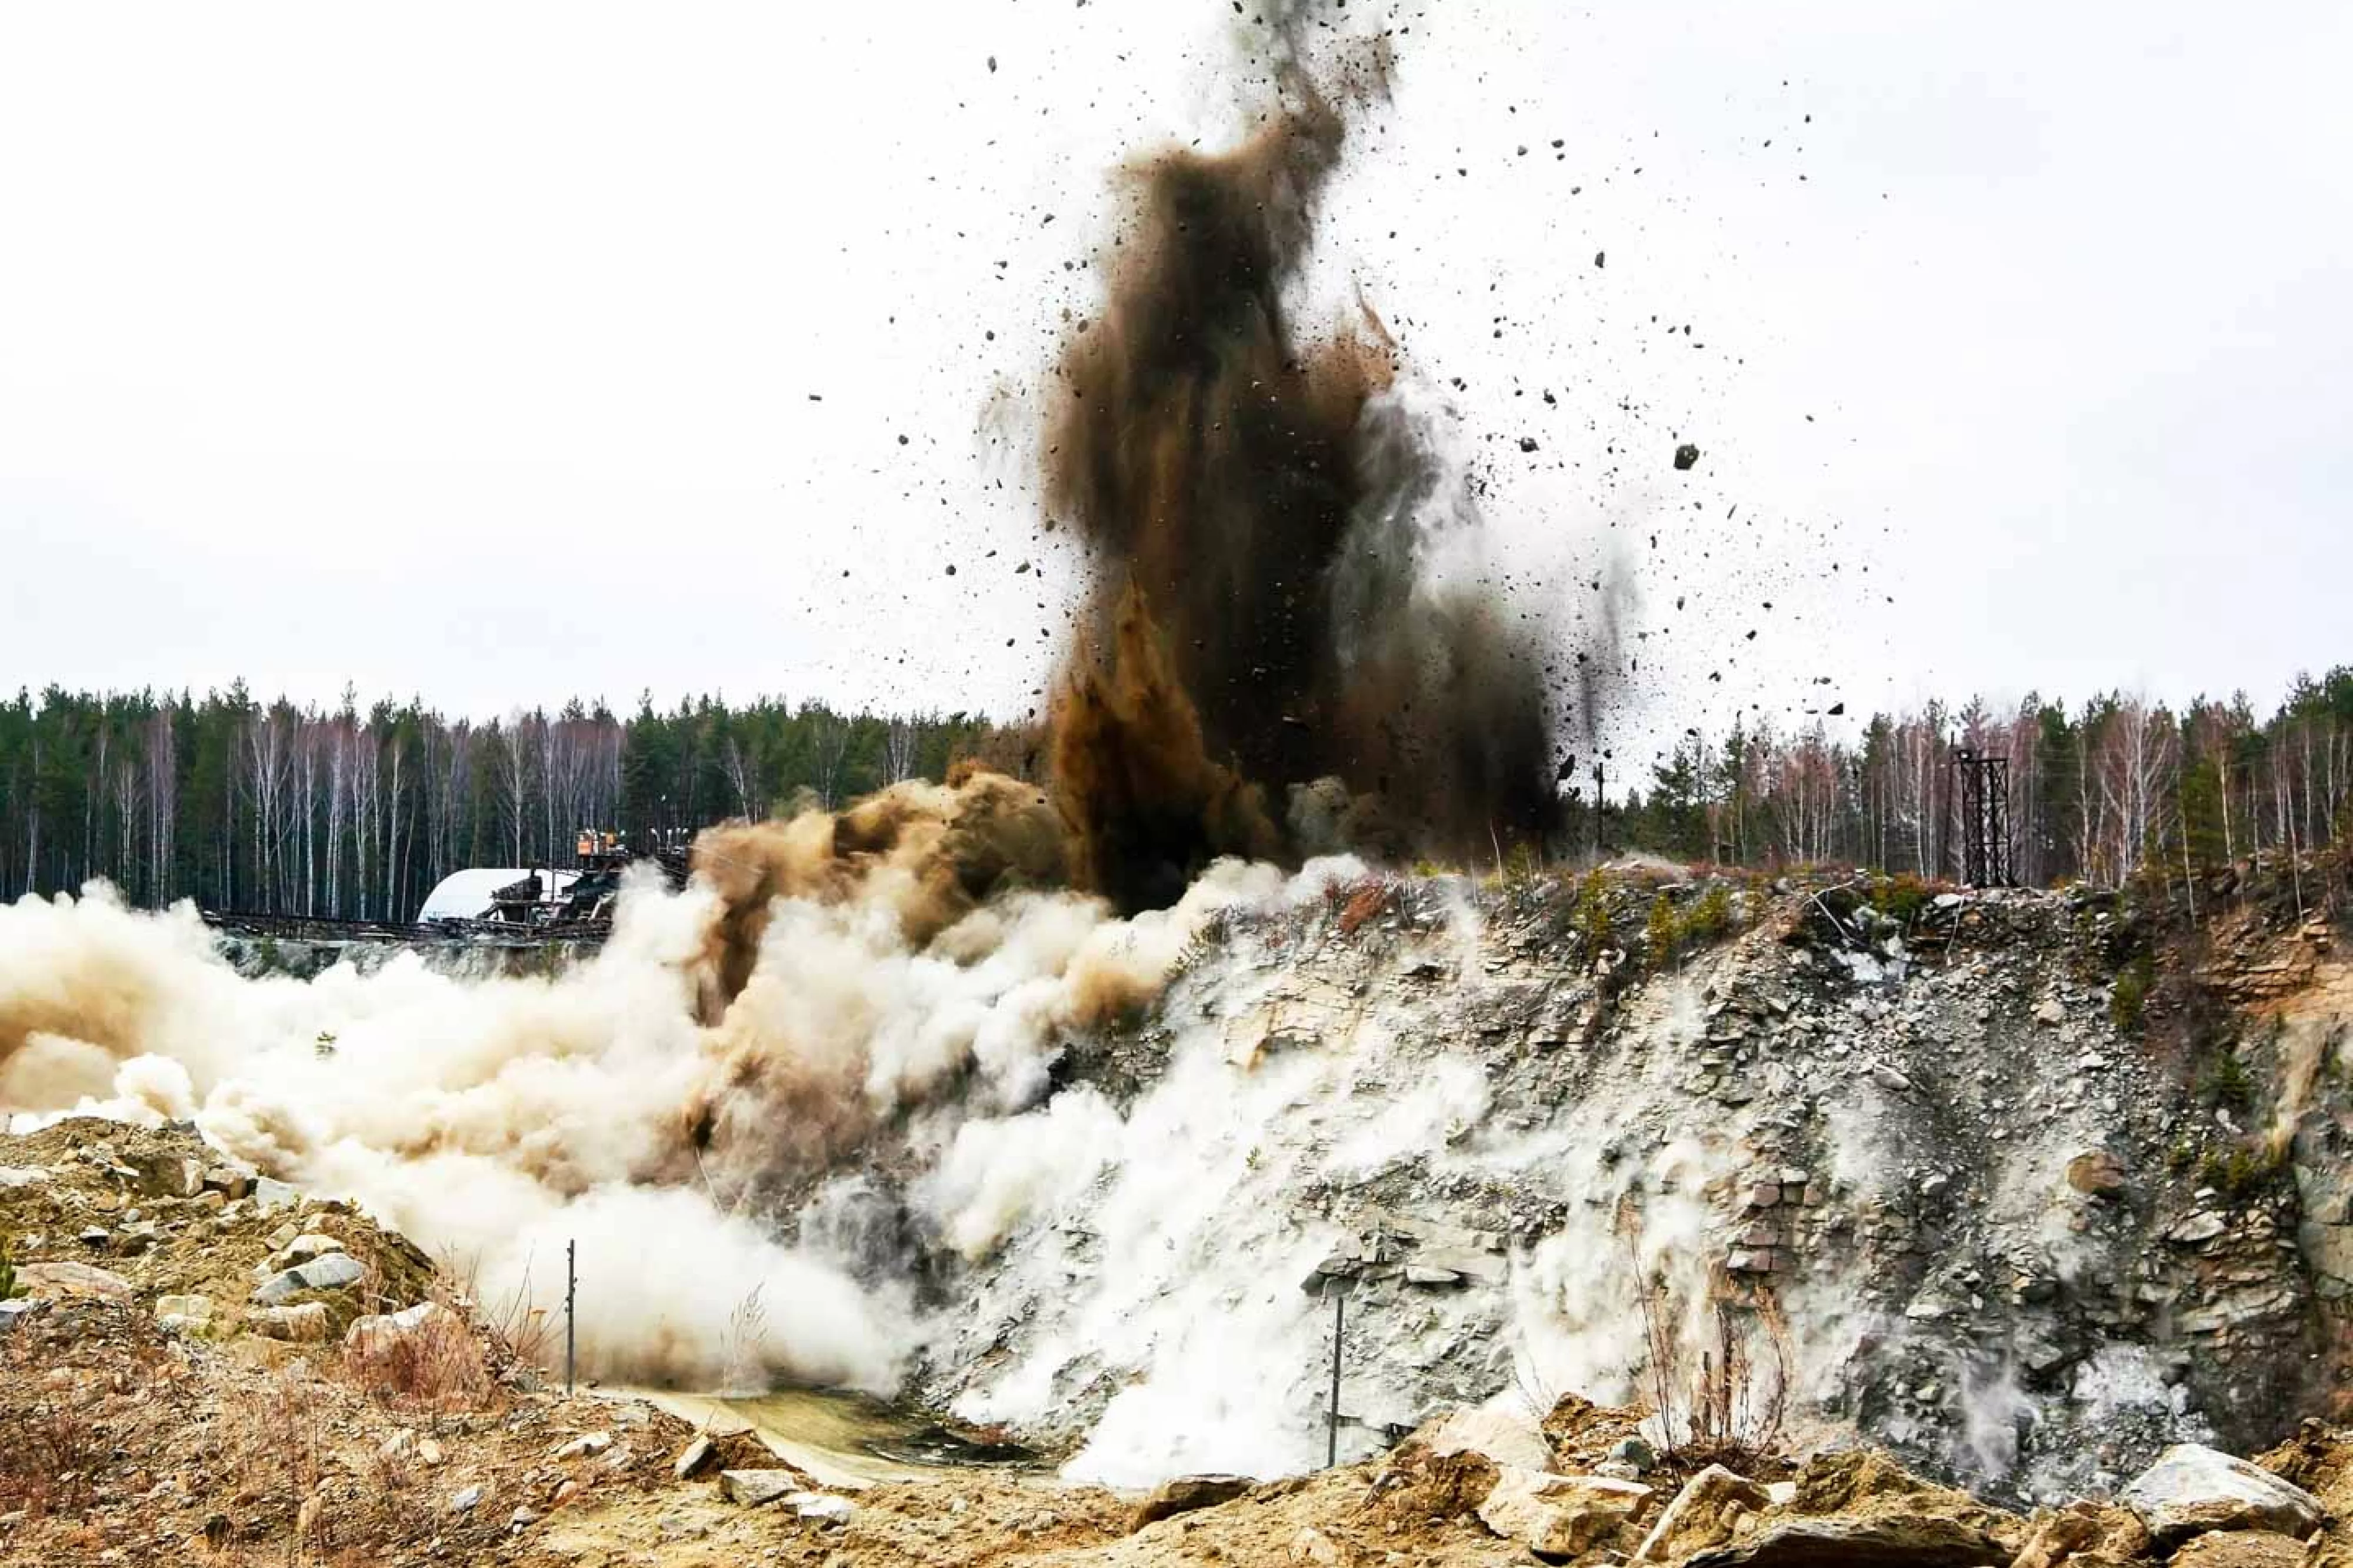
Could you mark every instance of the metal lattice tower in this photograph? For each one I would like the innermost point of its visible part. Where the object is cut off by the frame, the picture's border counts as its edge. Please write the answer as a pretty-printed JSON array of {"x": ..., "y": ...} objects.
[{"x": 1981, "y": 817}]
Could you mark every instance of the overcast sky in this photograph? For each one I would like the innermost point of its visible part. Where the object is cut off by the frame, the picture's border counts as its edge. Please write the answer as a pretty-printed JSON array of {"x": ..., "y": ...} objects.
[{"x": 502, "y": 352}]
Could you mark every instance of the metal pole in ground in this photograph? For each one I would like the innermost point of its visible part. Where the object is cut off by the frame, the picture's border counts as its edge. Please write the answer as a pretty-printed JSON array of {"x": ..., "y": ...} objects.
[
  {"x": 571, "y": 1281},
  {"x": 1331, "y": 1436}
]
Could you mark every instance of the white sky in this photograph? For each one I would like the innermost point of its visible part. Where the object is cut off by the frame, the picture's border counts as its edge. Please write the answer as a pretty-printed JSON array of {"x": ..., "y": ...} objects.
[{"x": 467, "y": 350}]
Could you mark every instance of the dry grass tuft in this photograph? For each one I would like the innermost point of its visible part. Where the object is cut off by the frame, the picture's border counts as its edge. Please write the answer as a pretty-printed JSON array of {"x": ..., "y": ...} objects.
[
  {"x": 436, "y": 1366},
  {"x": 48, "y": 1457}
]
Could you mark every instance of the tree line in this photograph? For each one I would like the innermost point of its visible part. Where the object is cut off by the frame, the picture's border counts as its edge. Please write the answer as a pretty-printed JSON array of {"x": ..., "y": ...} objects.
[
  {"x": 356, "y": 813},
  {"x": 351, "y": 813},
  {"x": 2112, "y": 788}
]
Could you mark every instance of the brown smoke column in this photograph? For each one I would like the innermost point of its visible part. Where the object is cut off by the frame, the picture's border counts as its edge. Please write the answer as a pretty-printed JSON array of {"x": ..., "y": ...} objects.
[{"x": 1257, "y": 513}]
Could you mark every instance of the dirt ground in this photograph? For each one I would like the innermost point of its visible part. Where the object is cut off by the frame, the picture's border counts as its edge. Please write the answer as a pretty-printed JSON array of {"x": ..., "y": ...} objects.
[{"x": 132, "y": 1434}]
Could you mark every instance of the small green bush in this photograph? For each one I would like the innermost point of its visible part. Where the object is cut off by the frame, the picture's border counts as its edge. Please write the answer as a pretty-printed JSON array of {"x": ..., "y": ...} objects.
[
  {"x": 1591, "y": 918},
  {"x": 7, "y": 1268},
  {"x": 1899, "y": 899},
  {"x": 1710, "y": 917},
  {"x": 1661, "y": 938},
  {"x": 2240, "y": 1170},
  {"x": 2227, "y": 1082}
]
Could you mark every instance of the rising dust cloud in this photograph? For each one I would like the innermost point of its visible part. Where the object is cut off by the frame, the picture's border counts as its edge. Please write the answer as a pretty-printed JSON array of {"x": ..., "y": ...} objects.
[{"x": 1271, "y": 532}]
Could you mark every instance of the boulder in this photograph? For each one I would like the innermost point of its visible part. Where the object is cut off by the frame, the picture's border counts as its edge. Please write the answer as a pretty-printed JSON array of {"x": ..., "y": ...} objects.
[
  {"x": 696, "y": 1459},
  {"x": 2203, "y": 1226},
  {"x": 1184, "y": 1494},
  {"x": 756, "y": 1488},
  {"x": 68, "y": 1280},
  {"x": 184, "y": 1314},
  {"x": 304, "y": 1248},
  {"x": 1505, "y": 1437},
  {"x": 269, "y": 1195},
  {"x": 22, "y": 1176},
  {"x": 1892, "y": 1541},
  {"x": 1560, "y": 1517},
  {"x": 583, "y": 1446},
  {"x": 1702, "y": 1515},
  {"x": 305, "y": 1324},
  {"x": 1636, "y": 1452},
  {"x": 378, "y": 1332},
  {"x": 172, "y": 1176},
  {"x": 823, "y": 1507},
  {"x": 15, "y": 1310},
  {"x": 2098, "y": 1173},
  {"x": 333, "y": 1271},
  {"x": 2192, "y": 1490}
]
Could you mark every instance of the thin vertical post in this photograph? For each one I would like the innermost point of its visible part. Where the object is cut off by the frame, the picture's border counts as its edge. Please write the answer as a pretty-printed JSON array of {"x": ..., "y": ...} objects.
[
  {"x": 1332, "y": 1421},
  {"x": 571, "y": 1284}
]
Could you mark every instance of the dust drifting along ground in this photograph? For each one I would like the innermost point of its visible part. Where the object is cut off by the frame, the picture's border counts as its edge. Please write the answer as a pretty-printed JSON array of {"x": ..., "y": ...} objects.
[{"x": 1270, "y": 531}]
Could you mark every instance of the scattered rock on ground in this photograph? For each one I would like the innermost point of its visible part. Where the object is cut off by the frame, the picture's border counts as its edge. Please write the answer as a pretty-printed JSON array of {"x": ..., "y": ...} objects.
[
  {"x": 1505, "y": 1436},
  {"x": 184, "y": 1314},
  {"x": 1702, "y": 1515},
  {"x": 2192, "y": 1489},
  {"x": 304, "y": 1323},
  {"x": 377, "y": 1333},
  {"x": 67, "y": 1280},
  {"x": 1889, "y": 1540},
  {"x": 1186, "y": 1493},
  {"x": 1562, "y": 1516},
  {"x": 824, "y": 1507},
  {"x": 756, "y": 1488}
]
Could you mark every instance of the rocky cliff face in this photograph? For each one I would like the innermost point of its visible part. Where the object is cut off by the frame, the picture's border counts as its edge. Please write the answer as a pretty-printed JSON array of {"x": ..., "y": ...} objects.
[{"x": 2023, "y": 1187}]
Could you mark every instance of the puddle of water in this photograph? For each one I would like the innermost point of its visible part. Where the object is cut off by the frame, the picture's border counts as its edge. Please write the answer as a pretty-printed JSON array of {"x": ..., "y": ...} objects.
[{"x": 842, "y": 1440}]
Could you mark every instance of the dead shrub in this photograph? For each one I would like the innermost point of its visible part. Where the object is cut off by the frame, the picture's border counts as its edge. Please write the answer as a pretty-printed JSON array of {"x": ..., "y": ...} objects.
[
  {"x": 515, "y": 1333},
  {"x": 48, "y": 1457},
  {"x": 394, "y": 1503},
  {"x": 275, "y": 1431},
  {"x": 745, "y": 1343},
  {"x": 1733, "y": 1407},
  {"x": 436, "y": 1366}
]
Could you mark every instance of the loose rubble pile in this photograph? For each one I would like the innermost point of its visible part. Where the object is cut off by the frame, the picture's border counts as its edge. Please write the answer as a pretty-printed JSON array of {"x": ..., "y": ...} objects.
[
  {"x": 1931, "y": 1154},
  {"x": 100, "y": 1210},
  {"x": 1889, "y": 1225}
]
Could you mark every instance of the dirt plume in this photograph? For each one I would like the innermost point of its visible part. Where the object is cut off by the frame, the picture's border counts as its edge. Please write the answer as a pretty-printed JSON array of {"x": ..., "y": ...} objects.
[
  {"x": 1278, "y": 594},
  {"x": 931, "y": 853}
]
